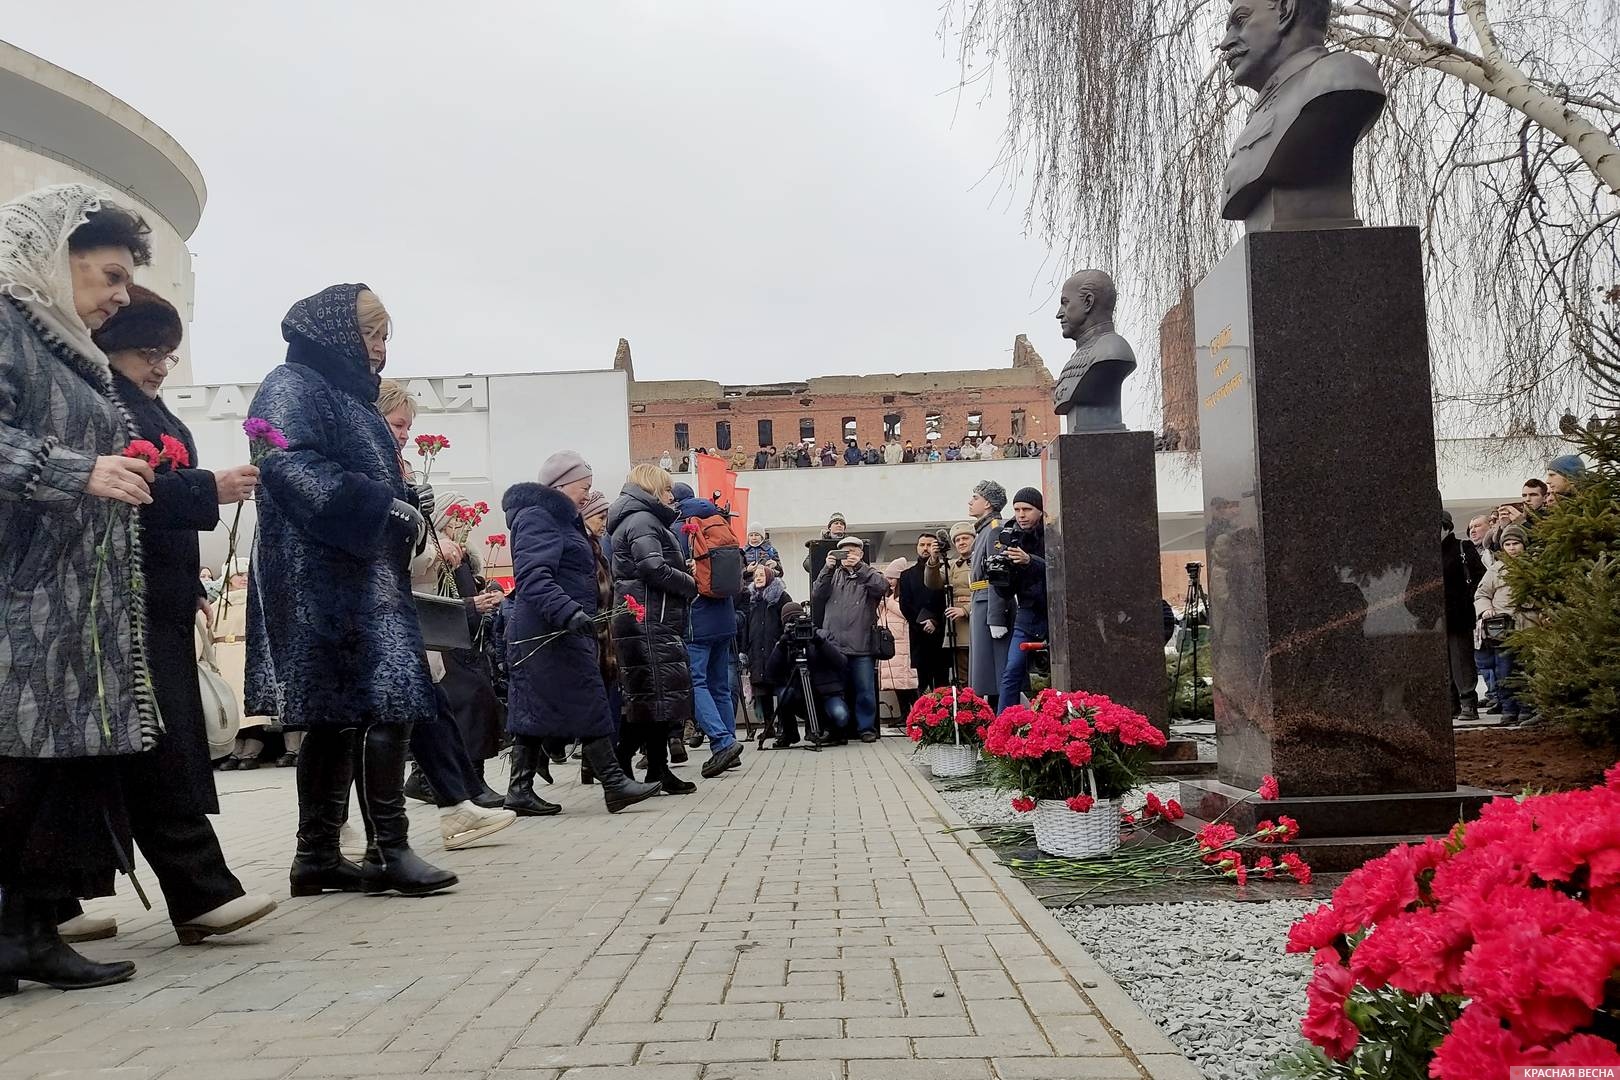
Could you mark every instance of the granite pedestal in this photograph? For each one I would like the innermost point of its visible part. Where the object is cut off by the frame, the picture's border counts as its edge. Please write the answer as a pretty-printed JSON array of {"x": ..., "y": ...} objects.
[
  {"x": 1323, "y": 531},
  {"x": 1102, "y": 572}
]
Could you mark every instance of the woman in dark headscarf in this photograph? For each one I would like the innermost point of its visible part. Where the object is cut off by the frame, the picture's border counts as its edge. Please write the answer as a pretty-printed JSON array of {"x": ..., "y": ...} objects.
[
  {"x": 334, "y": 647},
  {"x": 170, "y": 791}
]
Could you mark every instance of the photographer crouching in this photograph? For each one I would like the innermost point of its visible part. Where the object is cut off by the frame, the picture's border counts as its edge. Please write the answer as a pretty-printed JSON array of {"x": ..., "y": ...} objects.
[
  {"x": 848, "y": 591},
  {"x": 804, "y": 648},
  {"x": 1018, "y": 572}
]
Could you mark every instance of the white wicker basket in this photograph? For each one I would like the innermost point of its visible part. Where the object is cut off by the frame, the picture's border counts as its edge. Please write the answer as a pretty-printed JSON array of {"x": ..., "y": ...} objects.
[
  {"x": 952, "y": 759},
  {"x": 1062, "y": 832}
]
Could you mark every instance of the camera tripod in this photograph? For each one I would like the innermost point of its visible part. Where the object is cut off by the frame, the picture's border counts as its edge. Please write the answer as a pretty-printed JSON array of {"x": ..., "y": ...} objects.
[
  {"x": 1194, "y": 615},
  {"x": 807, "y": 691}
]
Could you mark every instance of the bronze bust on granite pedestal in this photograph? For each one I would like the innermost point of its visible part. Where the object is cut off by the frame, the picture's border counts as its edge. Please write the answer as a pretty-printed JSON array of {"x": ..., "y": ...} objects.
[
  {"x": 1291, "y": 165},
  {"x": 1087, "y": 391}
]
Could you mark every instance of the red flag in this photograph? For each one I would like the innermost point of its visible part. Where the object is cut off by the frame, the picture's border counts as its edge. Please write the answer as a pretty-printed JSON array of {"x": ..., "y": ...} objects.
[
  {"x": 713, "y": 476},
  {"x": 739, "y": 515}
]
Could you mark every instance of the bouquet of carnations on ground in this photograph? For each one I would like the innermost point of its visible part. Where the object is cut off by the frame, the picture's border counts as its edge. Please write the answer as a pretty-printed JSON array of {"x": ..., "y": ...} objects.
[
  {"x": 950, "y": 724},
  {"x": 1459, "y": 959},
  {"x": 1071, "y": 757},
  {"x": 540, "y": 641}
]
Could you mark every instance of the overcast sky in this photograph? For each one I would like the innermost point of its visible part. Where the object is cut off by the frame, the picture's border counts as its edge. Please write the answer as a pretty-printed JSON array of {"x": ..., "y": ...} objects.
[{"x": 748, "y": 191}]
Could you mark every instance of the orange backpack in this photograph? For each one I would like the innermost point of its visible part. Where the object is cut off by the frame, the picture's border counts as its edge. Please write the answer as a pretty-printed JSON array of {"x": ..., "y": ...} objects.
[{"x": 717, "y": 556}]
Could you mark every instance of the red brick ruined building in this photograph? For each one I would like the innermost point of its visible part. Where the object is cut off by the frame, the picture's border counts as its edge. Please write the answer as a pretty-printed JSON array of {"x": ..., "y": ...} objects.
[{"x": 950, "y": 406}]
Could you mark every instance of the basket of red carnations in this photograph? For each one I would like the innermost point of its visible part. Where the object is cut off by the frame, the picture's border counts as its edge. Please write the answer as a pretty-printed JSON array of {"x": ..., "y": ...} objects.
[
  {"x": 949, "y": 725},
  {"x": 1071, "y": 757}
]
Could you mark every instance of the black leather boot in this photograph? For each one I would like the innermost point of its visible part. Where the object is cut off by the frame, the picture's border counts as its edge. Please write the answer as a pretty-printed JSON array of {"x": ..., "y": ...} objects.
[
  {"x": 391, "y": 865},
  {"x": 618, "y": 789},
  {"x": 658, "y": 770},
  {"x": 325, "y": 770},
  {"x": 520, "y": 796},
  {"x": 418, "y": 788},
  {"x": 586, "y": 776},
  {"x": 32, "y": 950}
]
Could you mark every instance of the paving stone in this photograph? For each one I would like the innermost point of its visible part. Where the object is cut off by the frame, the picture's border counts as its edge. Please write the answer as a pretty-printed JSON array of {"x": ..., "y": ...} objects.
[
  {"x": 727, "y": 935},
  {"x": 842, "y": 1049}
]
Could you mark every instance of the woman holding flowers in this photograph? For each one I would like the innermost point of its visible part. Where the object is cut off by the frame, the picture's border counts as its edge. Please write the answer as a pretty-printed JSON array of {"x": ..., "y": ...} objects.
[
  {"x": 556, "y": 689},
  {"x": 75, "y": 687},
  {"x": 334, "y": 646},
  {"x": 170, "y": 791},
  {"x": 648, "y": 566}
]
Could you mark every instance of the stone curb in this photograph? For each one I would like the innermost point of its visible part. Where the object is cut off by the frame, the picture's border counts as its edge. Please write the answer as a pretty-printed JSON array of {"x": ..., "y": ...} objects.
[{"x": 1139, "y": 1036}]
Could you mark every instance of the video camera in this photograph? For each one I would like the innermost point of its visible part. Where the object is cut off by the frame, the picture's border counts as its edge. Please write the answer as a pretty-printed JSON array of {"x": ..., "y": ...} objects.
[
  {"x": 998, "y": 569},
  {"x": 801, "y": 631}
]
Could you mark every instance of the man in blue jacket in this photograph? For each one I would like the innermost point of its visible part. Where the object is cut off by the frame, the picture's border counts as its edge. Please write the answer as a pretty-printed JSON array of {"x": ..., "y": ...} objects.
[{"x": 711, "y": 649}]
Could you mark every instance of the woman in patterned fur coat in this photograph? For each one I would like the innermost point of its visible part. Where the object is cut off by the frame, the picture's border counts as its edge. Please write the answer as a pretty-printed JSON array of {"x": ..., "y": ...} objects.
[
  {"x": 334, "y": 647},
  {"x": 75, "y": 688}
]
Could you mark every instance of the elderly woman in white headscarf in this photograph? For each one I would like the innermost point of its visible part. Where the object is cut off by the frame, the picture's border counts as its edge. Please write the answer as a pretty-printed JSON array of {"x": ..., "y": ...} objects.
[{"x": 75, "y": 688}]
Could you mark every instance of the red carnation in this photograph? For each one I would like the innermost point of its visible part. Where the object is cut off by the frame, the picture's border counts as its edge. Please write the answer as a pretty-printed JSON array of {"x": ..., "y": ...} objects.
[
  {"x": 1080, "y": 804},
  {"x": 1153, "y": 808},
  {"x": 174, "y": 452},
  {"x": 1297, "y": 867},
  {"x": 1319, "y": 929},
  {"x": 1023, "y": 804},
  {"x": 1268, "y": 787},
  {"x": 143, "y": 451},
  {"x": 1173, "y": 811},
  {"x": 636, "y": 608},
  {"x": 1326, "y": 1023}
]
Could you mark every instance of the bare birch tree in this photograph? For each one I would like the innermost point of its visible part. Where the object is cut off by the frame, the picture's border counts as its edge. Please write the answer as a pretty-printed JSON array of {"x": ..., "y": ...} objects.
[{"x": 1499, "y": 139}]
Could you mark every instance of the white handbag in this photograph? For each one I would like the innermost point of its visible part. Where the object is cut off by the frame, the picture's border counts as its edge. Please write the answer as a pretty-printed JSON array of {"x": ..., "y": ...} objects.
[{"x": 221, "y": 714}]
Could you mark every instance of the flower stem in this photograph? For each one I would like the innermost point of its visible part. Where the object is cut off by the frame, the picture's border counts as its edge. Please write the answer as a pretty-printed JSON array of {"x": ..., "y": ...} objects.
[{"x": 102, "y": 551}]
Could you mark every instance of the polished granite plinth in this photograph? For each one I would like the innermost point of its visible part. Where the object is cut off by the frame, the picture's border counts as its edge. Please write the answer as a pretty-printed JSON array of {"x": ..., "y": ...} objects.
[
  {"x": 1102, "y": 569},
  {"x": 1323, "y": 516}
]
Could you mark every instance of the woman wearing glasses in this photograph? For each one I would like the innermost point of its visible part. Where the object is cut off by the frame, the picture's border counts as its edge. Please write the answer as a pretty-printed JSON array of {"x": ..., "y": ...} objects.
[{"x": 170, "y": 791}]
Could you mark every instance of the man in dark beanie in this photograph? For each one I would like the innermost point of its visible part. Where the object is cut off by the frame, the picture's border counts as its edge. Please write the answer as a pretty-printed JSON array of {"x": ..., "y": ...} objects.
[
  {"x": 991, "y": 616},
  {"x": 1025, "y": 589}
]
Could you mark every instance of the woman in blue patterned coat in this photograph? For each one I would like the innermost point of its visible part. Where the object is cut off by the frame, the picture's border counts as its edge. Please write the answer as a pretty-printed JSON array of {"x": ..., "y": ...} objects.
[
  {"x": 334, "y": 647},
  {"x": 75, "y": 688}
]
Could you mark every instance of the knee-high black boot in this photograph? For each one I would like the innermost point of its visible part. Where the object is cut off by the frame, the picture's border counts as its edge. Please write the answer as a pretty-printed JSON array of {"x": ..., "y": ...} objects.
[
  {"x": 658, "y": 770},
  {"x": 31, "y": 949},
  {"x": 325, "y": 770},
  {"x": 520, "y": 796},
  {"x": 618, "y": 789},
  {"x": 391, "y": 865}
]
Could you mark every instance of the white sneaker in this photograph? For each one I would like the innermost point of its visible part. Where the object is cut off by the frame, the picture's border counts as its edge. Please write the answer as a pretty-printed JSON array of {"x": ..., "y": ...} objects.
[
  {"x": 227, "y": 918},
  {"x": 465, "y": 823},
  {"x": 352, "y": 842},
  {"x": 87, "y": 928}
]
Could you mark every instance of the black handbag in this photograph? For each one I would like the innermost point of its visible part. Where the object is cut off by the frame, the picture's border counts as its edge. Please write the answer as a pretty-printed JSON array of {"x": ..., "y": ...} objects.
[
  {"x": 882, "y": 637},
  {"x": 1495, "y": 628},
  {"x": 444, "y": 622}
]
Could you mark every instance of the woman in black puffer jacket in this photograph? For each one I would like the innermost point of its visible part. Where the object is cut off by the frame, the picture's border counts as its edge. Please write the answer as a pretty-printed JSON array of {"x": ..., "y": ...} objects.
[{"x": 648, "y": 566}]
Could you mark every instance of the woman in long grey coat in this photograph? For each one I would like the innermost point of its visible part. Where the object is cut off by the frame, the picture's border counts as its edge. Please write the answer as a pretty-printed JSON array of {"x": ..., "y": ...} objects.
[
  {"x": 75, "y": 688},
  {"x": 334, "y": 646},
  {"x": 991, "y": 616}
]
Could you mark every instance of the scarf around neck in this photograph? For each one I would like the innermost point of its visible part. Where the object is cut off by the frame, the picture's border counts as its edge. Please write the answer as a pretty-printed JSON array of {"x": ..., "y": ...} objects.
[
  {"x": 34, "y": 269},
  {"x": 323, "y": 332}
]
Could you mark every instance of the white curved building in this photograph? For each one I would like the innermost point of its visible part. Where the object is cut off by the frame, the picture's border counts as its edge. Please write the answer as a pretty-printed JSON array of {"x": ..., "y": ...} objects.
[{"x": 57, "y": 128}]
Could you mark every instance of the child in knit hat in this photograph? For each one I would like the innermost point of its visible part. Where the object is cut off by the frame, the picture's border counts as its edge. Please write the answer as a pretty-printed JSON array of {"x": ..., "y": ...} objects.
[{"x": 760, "y": 550}]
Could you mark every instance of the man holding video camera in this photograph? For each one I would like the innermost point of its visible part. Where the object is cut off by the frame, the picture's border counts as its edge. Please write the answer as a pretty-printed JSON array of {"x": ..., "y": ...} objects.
[
  {"x": 849, "y": 590},
  {"x": 803, "y": 647},
  {"x": 1018, "y": 573}
]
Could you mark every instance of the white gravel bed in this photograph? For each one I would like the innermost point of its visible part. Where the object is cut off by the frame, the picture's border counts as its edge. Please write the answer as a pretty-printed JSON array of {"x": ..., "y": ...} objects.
[{"x": 1213, "y": 976}]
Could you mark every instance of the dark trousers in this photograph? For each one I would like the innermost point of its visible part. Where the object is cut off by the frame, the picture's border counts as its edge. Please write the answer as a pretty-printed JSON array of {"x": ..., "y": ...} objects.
[
  {"x": 438, "y": 750},
  {"x": 186, "y": 858},
  {"x": 1460, "y": 652}
]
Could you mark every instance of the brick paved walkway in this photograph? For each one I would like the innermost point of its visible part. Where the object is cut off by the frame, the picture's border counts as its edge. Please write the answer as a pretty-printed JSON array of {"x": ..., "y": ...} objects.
[{"x": 804, "y": 918}]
